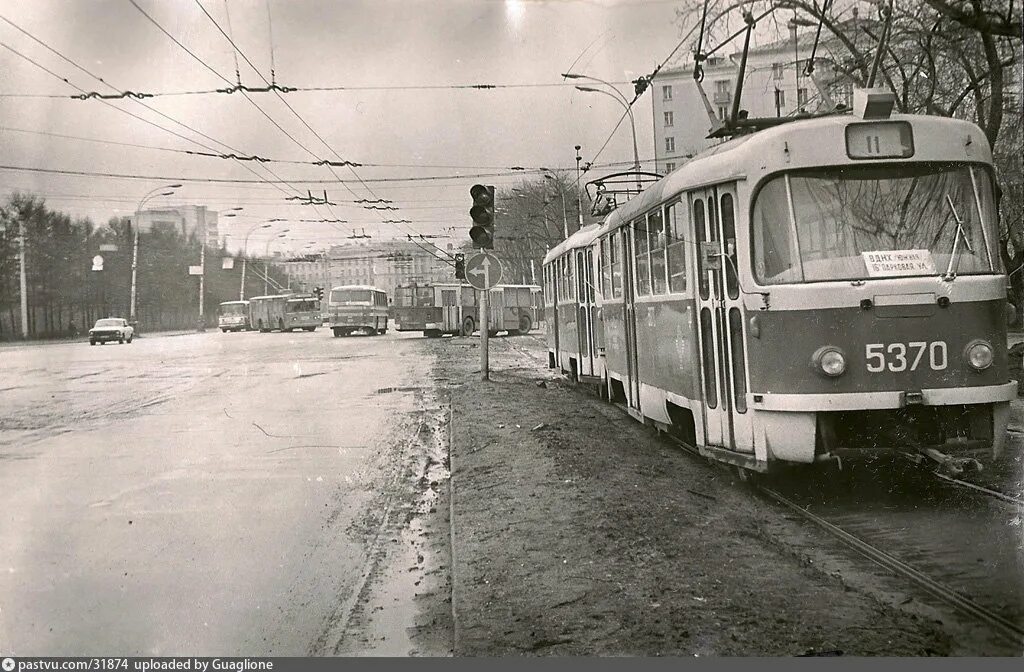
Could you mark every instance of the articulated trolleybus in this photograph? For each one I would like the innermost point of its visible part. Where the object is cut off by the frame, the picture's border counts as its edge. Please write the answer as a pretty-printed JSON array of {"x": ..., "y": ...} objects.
[
  {"x": 352, "y": 308},
  {"x": 451, "y": 308},
  {"x": 826, "y": 285}
]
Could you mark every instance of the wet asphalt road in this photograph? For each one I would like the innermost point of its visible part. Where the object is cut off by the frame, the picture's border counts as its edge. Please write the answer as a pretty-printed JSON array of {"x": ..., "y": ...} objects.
[{"x": 197, "y": 494}]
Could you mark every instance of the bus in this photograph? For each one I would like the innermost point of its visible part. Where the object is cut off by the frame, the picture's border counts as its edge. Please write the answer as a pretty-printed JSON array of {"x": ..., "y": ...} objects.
[
  {"x": 302, "y": 312},
  {"x": 352, "y": 308},
  {"x": 451, "y": 308},
  {"x": 234, "y": 316},
  {"x": 267, "y": 312}
]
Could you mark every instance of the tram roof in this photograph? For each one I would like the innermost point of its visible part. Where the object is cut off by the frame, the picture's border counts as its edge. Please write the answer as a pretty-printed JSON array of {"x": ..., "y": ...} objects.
[
  {"x": 581, "y": 238},
  {"x": 803, "y": 143}
]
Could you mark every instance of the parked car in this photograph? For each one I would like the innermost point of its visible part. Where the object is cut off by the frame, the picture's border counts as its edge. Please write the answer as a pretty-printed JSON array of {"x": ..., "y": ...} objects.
[{"x": 111, "y": 329}]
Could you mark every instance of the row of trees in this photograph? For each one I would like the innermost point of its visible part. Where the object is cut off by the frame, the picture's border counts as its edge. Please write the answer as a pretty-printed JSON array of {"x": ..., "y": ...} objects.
[{"x": 65, "y": 294}]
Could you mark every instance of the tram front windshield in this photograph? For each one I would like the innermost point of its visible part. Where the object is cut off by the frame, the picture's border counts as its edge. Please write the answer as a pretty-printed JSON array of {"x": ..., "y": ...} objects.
[
  {"x": 234, "y": 309},
  {"x": 350, "y": 297},
  {"x": 862, "y": 222}
]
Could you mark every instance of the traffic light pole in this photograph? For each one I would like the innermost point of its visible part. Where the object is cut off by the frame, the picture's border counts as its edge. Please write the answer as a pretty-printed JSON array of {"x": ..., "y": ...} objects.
[{"x": 484, "y": 364}]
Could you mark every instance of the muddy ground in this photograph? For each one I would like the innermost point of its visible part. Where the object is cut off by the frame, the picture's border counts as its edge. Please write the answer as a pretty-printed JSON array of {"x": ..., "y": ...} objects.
[{"x": 578, "y": 531}]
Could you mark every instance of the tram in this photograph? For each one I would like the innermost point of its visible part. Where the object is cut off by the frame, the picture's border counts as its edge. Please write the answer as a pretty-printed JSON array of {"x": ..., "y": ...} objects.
[
  {"x": 826, "y": 285},
  {"x": 440, "y": 308}
]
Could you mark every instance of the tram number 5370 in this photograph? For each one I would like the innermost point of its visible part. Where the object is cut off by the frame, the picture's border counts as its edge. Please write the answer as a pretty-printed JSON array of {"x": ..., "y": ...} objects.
[{"x": 905, "y": 356}]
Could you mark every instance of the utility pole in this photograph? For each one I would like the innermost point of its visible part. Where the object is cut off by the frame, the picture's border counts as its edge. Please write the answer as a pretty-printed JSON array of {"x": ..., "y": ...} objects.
[
  {"x": 241, "y": 290},
  {"x": 202, "y": 280},
  {"x": 579, "y": 194},
  {"x": 135, "y": 266},
  {"x": 24, "y": 278}
]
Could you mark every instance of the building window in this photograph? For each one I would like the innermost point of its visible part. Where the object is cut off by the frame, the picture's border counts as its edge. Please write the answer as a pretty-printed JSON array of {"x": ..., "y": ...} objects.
[
  {"x": 801, "y": 97},
  {"x": 668, "y": 119},
  {"x": 722, "y": 86},
  {"x": 670, "y": 145},
  {"x": 666, "y": 92},
  {"x": 723, "y": 112},
  {"x": 669, "y": 167},
  {"x": 776, "y": 70},
  {"x": 780, "y": 99}
]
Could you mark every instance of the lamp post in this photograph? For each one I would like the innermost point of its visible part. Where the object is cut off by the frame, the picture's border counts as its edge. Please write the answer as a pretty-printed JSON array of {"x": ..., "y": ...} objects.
[
  {"x": 245, "y": 246},
  {"x": 621, "y": 100},
  {"x": 266, "y": 266},
  {"x": 167, "y": 191}
]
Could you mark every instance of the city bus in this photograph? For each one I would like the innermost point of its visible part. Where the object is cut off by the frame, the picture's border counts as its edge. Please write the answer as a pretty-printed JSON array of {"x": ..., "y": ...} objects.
[
  {"x": 451, "y": 308},
  {"x": 352, "y": 308},
  {"x": 234, "y": 316}
]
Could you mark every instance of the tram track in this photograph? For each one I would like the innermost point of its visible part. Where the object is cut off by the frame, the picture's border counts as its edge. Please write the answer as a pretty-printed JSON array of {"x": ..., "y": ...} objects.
[
  {"x": 973, "y": 487},
  {"x": 939, "y": 589}
]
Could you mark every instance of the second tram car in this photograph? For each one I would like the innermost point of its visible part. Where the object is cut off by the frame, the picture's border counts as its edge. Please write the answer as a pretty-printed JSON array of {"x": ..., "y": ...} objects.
[
  {"x": 826, "y": 285},
  {"x": 352, "y": 308}
]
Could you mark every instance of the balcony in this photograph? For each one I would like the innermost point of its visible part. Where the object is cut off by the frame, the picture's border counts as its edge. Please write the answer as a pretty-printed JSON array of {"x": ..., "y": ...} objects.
[{"x": 723, "y": 97}]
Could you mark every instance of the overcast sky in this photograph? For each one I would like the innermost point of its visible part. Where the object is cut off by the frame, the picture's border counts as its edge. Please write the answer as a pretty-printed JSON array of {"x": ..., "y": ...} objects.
[{"x": 382, "y": 44}]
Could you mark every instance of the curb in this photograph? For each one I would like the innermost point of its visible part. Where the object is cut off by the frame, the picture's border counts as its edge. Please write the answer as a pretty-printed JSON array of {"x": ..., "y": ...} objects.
[{"x": 451, "y": 525}]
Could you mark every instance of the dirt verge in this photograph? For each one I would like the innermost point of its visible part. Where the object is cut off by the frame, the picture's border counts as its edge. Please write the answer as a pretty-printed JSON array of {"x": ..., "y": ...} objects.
[{"x": 578, "y": 531}]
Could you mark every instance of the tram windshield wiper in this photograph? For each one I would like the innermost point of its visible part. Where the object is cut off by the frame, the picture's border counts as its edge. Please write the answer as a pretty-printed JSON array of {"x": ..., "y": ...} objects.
[{"x": 954, "y": 258}]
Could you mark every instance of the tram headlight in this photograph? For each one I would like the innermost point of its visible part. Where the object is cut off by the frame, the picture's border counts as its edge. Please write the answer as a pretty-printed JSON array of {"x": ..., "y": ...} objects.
[
  {"x": 979, "y": 355},
  {"x": 830, "y": 361}
]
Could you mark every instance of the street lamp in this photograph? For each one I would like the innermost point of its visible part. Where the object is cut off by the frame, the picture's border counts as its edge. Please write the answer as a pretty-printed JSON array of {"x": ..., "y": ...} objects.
[
  {"x": 245, "y": 245},
  {"x": 165, "y": 190},
  {"x": 621, "y": 100}
]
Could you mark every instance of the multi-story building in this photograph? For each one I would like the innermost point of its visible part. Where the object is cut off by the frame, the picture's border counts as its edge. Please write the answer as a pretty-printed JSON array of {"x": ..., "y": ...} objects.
[
  {"x": 186, "y": 218},
  {"x": 384, "y": 264},
  {"x": 774, "y": 85}
]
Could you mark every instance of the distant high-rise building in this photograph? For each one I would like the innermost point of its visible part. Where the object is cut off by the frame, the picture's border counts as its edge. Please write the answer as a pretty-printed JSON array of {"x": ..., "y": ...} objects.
[{"x": 185, "y": 218}]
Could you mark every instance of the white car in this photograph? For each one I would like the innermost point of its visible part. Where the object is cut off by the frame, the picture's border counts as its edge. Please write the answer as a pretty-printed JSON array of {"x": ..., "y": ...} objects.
[{"x": 111, "y": 329}]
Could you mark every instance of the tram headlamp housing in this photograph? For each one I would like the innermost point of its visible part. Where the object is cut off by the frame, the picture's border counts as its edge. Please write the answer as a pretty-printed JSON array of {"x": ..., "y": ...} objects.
[
  {"x": 979, "y": 354},
  {"x": 829, "y": 361}
]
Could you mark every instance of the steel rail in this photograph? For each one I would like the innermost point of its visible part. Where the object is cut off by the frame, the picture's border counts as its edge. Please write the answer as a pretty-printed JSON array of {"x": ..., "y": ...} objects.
[
  {"x": 943, "y": 592},
  {"x": 985, "y": 491},
  {"x": 900, "y": 568}
]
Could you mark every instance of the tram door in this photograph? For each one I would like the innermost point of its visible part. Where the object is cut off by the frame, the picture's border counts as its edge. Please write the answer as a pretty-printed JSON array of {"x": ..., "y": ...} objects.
[
  {"x": 584, "y": 327},
  {"x": 496, "y": 307},
  {"x": 723, "y": 369},
  {"x": 629, "y": 316},
  {"x": 450, "y": 318}
]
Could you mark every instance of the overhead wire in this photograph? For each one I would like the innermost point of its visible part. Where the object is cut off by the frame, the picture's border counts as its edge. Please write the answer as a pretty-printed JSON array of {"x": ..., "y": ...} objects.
[{"x": 292, "y": 109}]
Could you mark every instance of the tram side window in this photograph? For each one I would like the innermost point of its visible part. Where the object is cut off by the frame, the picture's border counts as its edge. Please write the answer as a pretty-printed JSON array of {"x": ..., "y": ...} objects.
[
  {"x": 615, "y": 255},
  {"x": 570, "y": 282},
  {"x": 643, "y": 257},
  {"x": 656, "y": 238},
  {"x": 468, "y": 296},
  {"x": 676, "y": 250},
  {"x": 606, "y": 268}
]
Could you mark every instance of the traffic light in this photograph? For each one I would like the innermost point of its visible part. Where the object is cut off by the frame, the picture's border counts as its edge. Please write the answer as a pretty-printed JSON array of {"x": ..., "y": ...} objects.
[
  {"x": 460, "y": 267},
  {"x": 482, "y": 213}
]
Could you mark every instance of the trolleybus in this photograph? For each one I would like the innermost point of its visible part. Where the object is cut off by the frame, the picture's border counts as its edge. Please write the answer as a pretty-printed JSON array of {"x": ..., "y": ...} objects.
[{"x": 451, "y": 308}]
